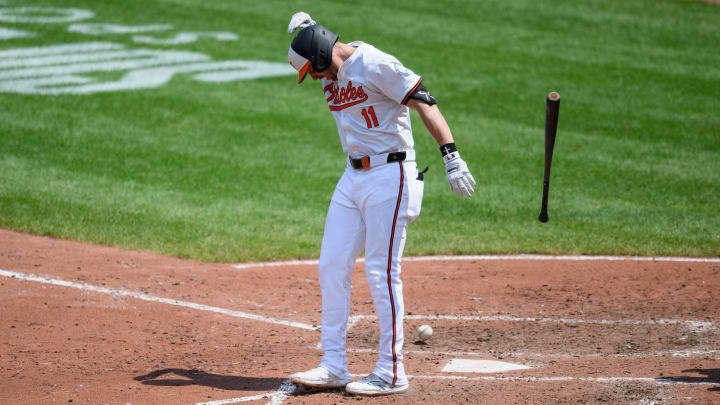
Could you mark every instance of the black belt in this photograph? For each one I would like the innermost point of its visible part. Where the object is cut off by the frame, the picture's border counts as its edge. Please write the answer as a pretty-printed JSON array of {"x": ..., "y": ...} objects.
[{"x": 364, "y": 162}]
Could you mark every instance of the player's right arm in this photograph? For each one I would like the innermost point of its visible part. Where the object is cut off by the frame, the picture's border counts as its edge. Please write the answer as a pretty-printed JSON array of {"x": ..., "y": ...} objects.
[
  {"x": 434, "y": 121},
  {"x": 459, "y": 176}
]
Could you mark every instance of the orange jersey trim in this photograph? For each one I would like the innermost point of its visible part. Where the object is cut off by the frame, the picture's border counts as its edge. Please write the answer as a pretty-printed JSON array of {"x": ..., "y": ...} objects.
[{"x": 407, "y": 96}]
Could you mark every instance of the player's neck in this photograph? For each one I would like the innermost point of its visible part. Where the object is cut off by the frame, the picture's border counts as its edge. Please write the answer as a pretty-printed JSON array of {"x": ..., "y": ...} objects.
[
  {"x": 340, "y": 53},
  {"x": 343, "y": 51}
]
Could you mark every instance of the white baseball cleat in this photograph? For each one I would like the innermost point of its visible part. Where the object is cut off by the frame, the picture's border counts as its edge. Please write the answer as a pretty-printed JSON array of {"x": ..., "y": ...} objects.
[
  {"x": 374, "y": 385},
  {"x": 318, "y": 377}
]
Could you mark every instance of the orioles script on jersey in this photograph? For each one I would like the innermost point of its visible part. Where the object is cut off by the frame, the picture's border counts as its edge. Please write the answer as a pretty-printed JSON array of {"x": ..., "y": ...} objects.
[{"x": 344, "y": 97}]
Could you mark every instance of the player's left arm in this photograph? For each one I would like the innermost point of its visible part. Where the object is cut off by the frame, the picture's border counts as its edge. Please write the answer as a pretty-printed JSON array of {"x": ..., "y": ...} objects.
[{"x": 458, "y": 175}]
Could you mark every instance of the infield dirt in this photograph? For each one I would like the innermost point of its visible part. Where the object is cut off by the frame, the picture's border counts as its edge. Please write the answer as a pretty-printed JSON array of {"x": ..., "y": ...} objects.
[{"x": 592, "y": 331}]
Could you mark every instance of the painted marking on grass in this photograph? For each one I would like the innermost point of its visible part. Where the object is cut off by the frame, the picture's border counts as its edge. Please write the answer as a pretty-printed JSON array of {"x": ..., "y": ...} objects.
[
  {"x": 694, "y": 325},
  {"x": 150, "y": 58},
  {"x": 106, "y": 28},
  {"x": 44, "y": 15},
  {"x": 480, "y": 366},
  {"x": 185, "y": 38},
  {"x": 58, "y": 49},
  {"x": 497, "y": 257},
  {"x": 7, "y": 33},
  {"x": 64, "y": 69},
  {"x": 151, "y": 298},
  {"x": 76, "y": 58}
]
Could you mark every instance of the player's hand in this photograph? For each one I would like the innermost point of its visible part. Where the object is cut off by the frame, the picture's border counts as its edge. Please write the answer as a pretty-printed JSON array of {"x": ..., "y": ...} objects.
[
  {"x": 300, "y": 20},
  {"x": 458, "y": 175}
]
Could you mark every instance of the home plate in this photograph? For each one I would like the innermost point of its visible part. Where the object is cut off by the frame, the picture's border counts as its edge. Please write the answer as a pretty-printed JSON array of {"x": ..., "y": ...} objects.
[{"x": 480, "y": 366}]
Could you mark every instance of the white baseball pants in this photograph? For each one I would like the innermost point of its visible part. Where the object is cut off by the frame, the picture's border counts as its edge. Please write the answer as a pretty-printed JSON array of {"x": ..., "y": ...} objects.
[{"x": 371, "y": 209}]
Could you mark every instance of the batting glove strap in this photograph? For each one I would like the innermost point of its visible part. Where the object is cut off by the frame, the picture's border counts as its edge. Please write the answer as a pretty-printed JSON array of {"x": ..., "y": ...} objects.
[
  {"x": 458, "y": 175},
  {"x": 448, "y": 149}
]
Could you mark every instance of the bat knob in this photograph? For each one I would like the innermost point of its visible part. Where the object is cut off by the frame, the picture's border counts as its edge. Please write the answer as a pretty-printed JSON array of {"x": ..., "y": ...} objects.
[{"x": 543, "y": 217}]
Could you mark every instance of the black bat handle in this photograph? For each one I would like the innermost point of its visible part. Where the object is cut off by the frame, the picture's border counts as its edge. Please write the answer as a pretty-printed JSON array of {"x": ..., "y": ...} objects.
[{"x": 543, "y": 217}]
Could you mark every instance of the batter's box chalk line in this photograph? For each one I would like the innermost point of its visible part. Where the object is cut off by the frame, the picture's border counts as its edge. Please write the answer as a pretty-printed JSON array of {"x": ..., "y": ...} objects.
[
  {"x": 277, "y": 397},
  {"x": 151, "y": 298},
  {"x": 694, "y": 325},
  {"x": 313, "y": 262},
  {"x": 603, "y": 380},
  {"x": 287, "y": 389},
  {"x": 540, "y": 356}
]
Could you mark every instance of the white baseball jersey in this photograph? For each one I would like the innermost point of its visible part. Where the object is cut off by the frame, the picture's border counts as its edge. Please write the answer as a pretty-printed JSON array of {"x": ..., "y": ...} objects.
[{"x": 368, "y": 102}]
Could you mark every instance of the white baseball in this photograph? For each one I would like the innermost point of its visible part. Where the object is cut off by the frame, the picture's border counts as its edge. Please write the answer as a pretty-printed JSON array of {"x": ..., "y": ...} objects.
[{"x": 425, "y": 332}]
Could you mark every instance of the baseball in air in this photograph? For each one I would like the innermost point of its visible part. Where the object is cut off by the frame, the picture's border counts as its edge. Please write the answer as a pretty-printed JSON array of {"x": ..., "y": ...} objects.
[{"x": 425, "y": 332}]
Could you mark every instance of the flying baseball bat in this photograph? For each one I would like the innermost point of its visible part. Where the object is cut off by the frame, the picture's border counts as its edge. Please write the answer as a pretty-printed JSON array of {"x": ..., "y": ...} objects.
[{"x": 552, "y": 110}]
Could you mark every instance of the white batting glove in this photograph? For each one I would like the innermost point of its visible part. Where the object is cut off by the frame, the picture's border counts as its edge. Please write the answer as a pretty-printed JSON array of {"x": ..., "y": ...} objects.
[
  {"x": 458, "y": 175},
  {"x": 300, "y": 20}
]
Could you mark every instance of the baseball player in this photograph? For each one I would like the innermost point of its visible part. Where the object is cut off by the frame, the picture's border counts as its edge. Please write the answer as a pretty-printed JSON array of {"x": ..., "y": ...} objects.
[{"x": 369, "y": 94}]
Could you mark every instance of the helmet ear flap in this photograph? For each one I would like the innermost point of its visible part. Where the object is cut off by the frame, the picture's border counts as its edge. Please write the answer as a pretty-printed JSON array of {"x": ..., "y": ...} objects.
[
  {"x": 323, "y": 42},
  {"x": 322, "y": 59}
]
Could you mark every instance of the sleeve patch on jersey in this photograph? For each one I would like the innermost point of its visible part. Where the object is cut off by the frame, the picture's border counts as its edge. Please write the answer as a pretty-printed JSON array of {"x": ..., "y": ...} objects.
[{"x": 402, "y": 70}]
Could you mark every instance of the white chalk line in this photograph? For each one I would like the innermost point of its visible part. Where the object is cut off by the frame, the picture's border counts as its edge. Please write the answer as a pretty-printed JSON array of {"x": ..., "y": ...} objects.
[
  {"x": 276, "y": 397},
  {"x": 237, "y": 400},
  {"x": 313, "y": 262},
  {"x": 698, "y": 325},
  {"x": 151, "y": 298},
  {"x": 279, "y": 264},
  {"x": 694, "y": 325},
  {"x": 526, "y": 355},
  {"x": 611, "y": 380},
  {"x": 287, "y": 388}
]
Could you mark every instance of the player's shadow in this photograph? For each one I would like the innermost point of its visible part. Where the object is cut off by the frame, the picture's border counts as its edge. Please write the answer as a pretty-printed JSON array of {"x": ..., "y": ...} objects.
[
  {"x": 199, "y": 377},
  {"x": 710, "y": 375}
]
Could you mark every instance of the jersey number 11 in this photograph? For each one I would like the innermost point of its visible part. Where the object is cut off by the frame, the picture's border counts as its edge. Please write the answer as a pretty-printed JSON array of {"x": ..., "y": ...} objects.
[{"x": 374, "y": 121}]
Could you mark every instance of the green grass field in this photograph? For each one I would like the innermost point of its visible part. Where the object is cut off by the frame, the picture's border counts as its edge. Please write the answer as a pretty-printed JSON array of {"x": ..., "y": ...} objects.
[{"x": 244, "y": 170}]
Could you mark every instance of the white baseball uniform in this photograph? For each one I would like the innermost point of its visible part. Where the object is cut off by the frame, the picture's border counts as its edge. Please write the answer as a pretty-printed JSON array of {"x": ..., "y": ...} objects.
[{"x": 371, "y": 206}]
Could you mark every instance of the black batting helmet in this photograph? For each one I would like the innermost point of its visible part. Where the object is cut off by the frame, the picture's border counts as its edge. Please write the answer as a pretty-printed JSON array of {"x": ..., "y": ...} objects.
[{"x": 312, "y": 46}]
